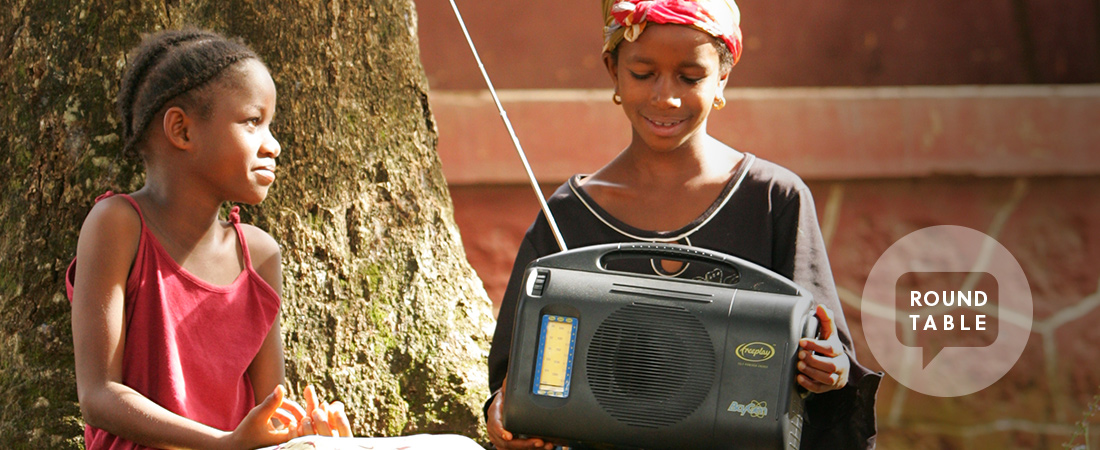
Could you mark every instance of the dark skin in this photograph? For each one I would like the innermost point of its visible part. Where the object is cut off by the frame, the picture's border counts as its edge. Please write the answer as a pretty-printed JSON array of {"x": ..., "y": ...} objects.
[
  {"x": 669, "y": 79},
  {"x": 194, "y": 165}
]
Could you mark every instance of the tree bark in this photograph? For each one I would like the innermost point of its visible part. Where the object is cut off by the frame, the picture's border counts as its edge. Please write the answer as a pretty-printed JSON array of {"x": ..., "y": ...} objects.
[{"x": 380, "y": 308}]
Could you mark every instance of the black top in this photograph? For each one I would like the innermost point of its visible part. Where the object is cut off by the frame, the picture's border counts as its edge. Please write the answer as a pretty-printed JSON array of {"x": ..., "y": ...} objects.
[{"x": 766, "y": 215}]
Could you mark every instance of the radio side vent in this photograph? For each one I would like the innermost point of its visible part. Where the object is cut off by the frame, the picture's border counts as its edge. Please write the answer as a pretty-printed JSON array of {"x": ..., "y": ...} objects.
[{"x": 650, "y": 366}]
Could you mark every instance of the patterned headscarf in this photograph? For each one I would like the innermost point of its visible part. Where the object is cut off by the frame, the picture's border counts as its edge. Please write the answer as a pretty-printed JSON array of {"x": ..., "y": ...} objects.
[{"x": 626, "y": 19}]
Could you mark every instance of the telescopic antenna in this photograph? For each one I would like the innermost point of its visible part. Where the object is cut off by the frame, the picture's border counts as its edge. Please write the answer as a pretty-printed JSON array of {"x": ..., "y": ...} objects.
[{"x": 512, "y": 133}]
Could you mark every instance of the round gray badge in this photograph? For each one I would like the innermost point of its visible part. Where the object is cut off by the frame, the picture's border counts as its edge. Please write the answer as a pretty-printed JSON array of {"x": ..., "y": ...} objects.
[{"x": 937, "y": 340}]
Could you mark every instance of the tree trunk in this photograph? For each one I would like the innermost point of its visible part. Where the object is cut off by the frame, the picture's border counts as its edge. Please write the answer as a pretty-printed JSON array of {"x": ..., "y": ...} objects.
[{"x": 380, "y": 308}]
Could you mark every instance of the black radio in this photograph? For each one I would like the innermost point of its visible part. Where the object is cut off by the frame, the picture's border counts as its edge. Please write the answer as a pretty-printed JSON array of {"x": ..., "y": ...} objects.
[{"x": 610, "y": 359}]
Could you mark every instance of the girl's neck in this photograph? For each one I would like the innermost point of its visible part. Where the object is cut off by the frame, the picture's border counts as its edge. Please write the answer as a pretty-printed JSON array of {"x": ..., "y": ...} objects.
[
  {"x": 181, "y": 218},
  {"x": 682, "y": 183},
  {"x": 702, "y": 157}
]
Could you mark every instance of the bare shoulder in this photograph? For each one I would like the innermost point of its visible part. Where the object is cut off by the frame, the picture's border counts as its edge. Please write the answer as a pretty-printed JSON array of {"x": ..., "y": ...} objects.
[
  {"x": 112, "y": 219},
  {"x": 260, "y": 244},
  {"x": 266, "y": 256},
  {"x": 110, "y": 237}
]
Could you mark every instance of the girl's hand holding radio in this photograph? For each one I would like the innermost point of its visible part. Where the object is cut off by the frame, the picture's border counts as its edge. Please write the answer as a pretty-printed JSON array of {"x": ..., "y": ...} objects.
[
  {"x": 503, "y": 439},
  {"x": 822, "y": 363}
]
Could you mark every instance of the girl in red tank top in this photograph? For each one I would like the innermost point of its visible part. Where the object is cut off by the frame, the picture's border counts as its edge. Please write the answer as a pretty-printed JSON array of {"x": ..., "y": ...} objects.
[{"x": 175, "y": 312}]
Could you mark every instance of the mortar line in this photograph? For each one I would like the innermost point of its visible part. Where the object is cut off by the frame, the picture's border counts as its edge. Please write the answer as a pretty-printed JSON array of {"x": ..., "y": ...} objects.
[
  {"x": 1047, "y": 329},
  {"x": 1019, "y": 190},
  {"x": 995, "y": 426},
  {"x": 831, "y": 214},
  {"x": 1050, "y": 363},
  {"x": 901, "y": 395},
  {"x": 1071, "y": 313}
]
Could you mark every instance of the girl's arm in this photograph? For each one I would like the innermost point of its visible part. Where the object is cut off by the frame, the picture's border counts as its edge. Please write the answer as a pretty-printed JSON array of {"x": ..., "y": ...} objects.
[
  {"x": 105, "y": 251},
  {"x": 268, "y": 368}
]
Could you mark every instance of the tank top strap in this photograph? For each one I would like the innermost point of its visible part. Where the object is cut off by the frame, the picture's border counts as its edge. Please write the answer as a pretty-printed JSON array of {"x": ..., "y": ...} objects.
[
  {"x": 139, "y": 258},
  {"x": 128, "y": 198},
  {"x": 235, "y": 219}
]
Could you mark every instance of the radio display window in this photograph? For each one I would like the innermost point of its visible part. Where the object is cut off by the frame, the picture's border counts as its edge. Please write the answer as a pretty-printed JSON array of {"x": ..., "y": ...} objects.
[{"x": 554, "y": 363}]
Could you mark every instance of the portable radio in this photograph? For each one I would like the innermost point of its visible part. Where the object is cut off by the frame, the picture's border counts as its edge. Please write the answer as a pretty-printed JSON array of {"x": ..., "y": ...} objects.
[{"x": 609, "y": 359}]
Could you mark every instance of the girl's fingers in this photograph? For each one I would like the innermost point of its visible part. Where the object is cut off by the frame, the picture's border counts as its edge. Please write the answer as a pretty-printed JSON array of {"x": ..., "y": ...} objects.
[
  {"x": 292, "y": 432},
  {"x": 294, "y": 409},
  {"x": 285, "y": 418},
  {"x": 311, "y": 399},
  {"x": 338, "y": 420},
  {"x": 811, "y": 385},
  {"x": 818, "y": 375},
  {"x": 326, "y": 412},
  {"x": 820, "y": 347},
  {"x": 268, "y": 410},
  {"x": 824, "y": 364},
  {"x": 320, "y": 422},
  {"x": 271, "y": 403},
  {"x": 306, "y": 427},
  {"x": 827, "y": 325},
  {"x": 495, "y": 426}
]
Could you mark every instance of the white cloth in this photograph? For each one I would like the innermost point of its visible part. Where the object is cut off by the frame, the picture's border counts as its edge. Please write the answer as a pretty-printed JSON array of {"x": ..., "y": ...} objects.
[{"x": 415, "y": 442}]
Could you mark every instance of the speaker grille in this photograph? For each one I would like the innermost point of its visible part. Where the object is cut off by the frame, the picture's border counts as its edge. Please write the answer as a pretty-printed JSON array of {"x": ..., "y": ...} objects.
[{"x": 650, "y": 366}]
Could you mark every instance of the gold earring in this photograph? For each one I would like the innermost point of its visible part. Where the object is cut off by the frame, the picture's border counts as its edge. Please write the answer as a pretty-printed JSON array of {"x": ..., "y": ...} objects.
[
  {"x": 719, "y": 102},
  {"x": 616, "y": 99}
]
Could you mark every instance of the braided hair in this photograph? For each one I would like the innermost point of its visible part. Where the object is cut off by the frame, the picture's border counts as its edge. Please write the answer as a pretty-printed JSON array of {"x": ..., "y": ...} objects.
[{"x": 173, "y": 67}]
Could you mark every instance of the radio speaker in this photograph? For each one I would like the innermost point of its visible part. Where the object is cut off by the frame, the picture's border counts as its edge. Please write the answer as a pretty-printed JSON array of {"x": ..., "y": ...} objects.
[{"x": 643, "y": 387}]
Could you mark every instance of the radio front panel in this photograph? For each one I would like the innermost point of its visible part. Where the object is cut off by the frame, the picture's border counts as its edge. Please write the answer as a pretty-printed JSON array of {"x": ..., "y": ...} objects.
[{"x": 618, "y": 360}]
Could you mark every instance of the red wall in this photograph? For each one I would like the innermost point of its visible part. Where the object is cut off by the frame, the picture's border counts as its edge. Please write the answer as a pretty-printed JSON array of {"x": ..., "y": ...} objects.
[
  {"x": 544, "y": 44},
  {"x": 1014, "y": 153}
]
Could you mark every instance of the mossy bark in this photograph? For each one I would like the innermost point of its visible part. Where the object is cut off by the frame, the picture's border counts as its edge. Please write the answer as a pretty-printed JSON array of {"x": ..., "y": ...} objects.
[{"x": 380, "y": 308}]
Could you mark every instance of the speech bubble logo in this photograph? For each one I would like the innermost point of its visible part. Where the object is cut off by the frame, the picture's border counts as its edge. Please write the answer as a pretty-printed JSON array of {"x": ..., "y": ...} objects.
[
  {"x": 949, "y": 369},
  {"x": 946, "y": 309}
]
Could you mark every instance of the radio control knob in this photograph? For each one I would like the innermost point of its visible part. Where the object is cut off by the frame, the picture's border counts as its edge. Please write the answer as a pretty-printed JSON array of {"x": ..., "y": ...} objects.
[{"x": 541, "y": 278}]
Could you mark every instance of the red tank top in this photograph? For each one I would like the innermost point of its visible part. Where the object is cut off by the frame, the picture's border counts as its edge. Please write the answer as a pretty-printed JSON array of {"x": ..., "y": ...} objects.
[{"x": 188, "y": 343}]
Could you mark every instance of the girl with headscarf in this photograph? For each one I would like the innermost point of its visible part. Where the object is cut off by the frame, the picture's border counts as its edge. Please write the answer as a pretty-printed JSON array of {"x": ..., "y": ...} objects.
[{"x": 669, "y": 61}]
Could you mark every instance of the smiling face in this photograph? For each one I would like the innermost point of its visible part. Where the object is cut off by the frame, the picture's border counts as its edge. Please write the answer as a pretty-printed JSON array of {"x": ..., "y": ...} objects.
[
  {"x": 668, "y": 80},
  {"x": 236, "y": 148}
]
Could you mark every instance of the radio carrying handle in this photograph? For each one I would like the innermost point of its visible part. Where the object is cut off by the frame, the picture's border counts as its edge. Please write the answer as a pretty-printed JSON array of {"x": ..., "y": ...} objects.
[
  {"x": 512, "y": 133},
  {"x": 750, "y": 276}
]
